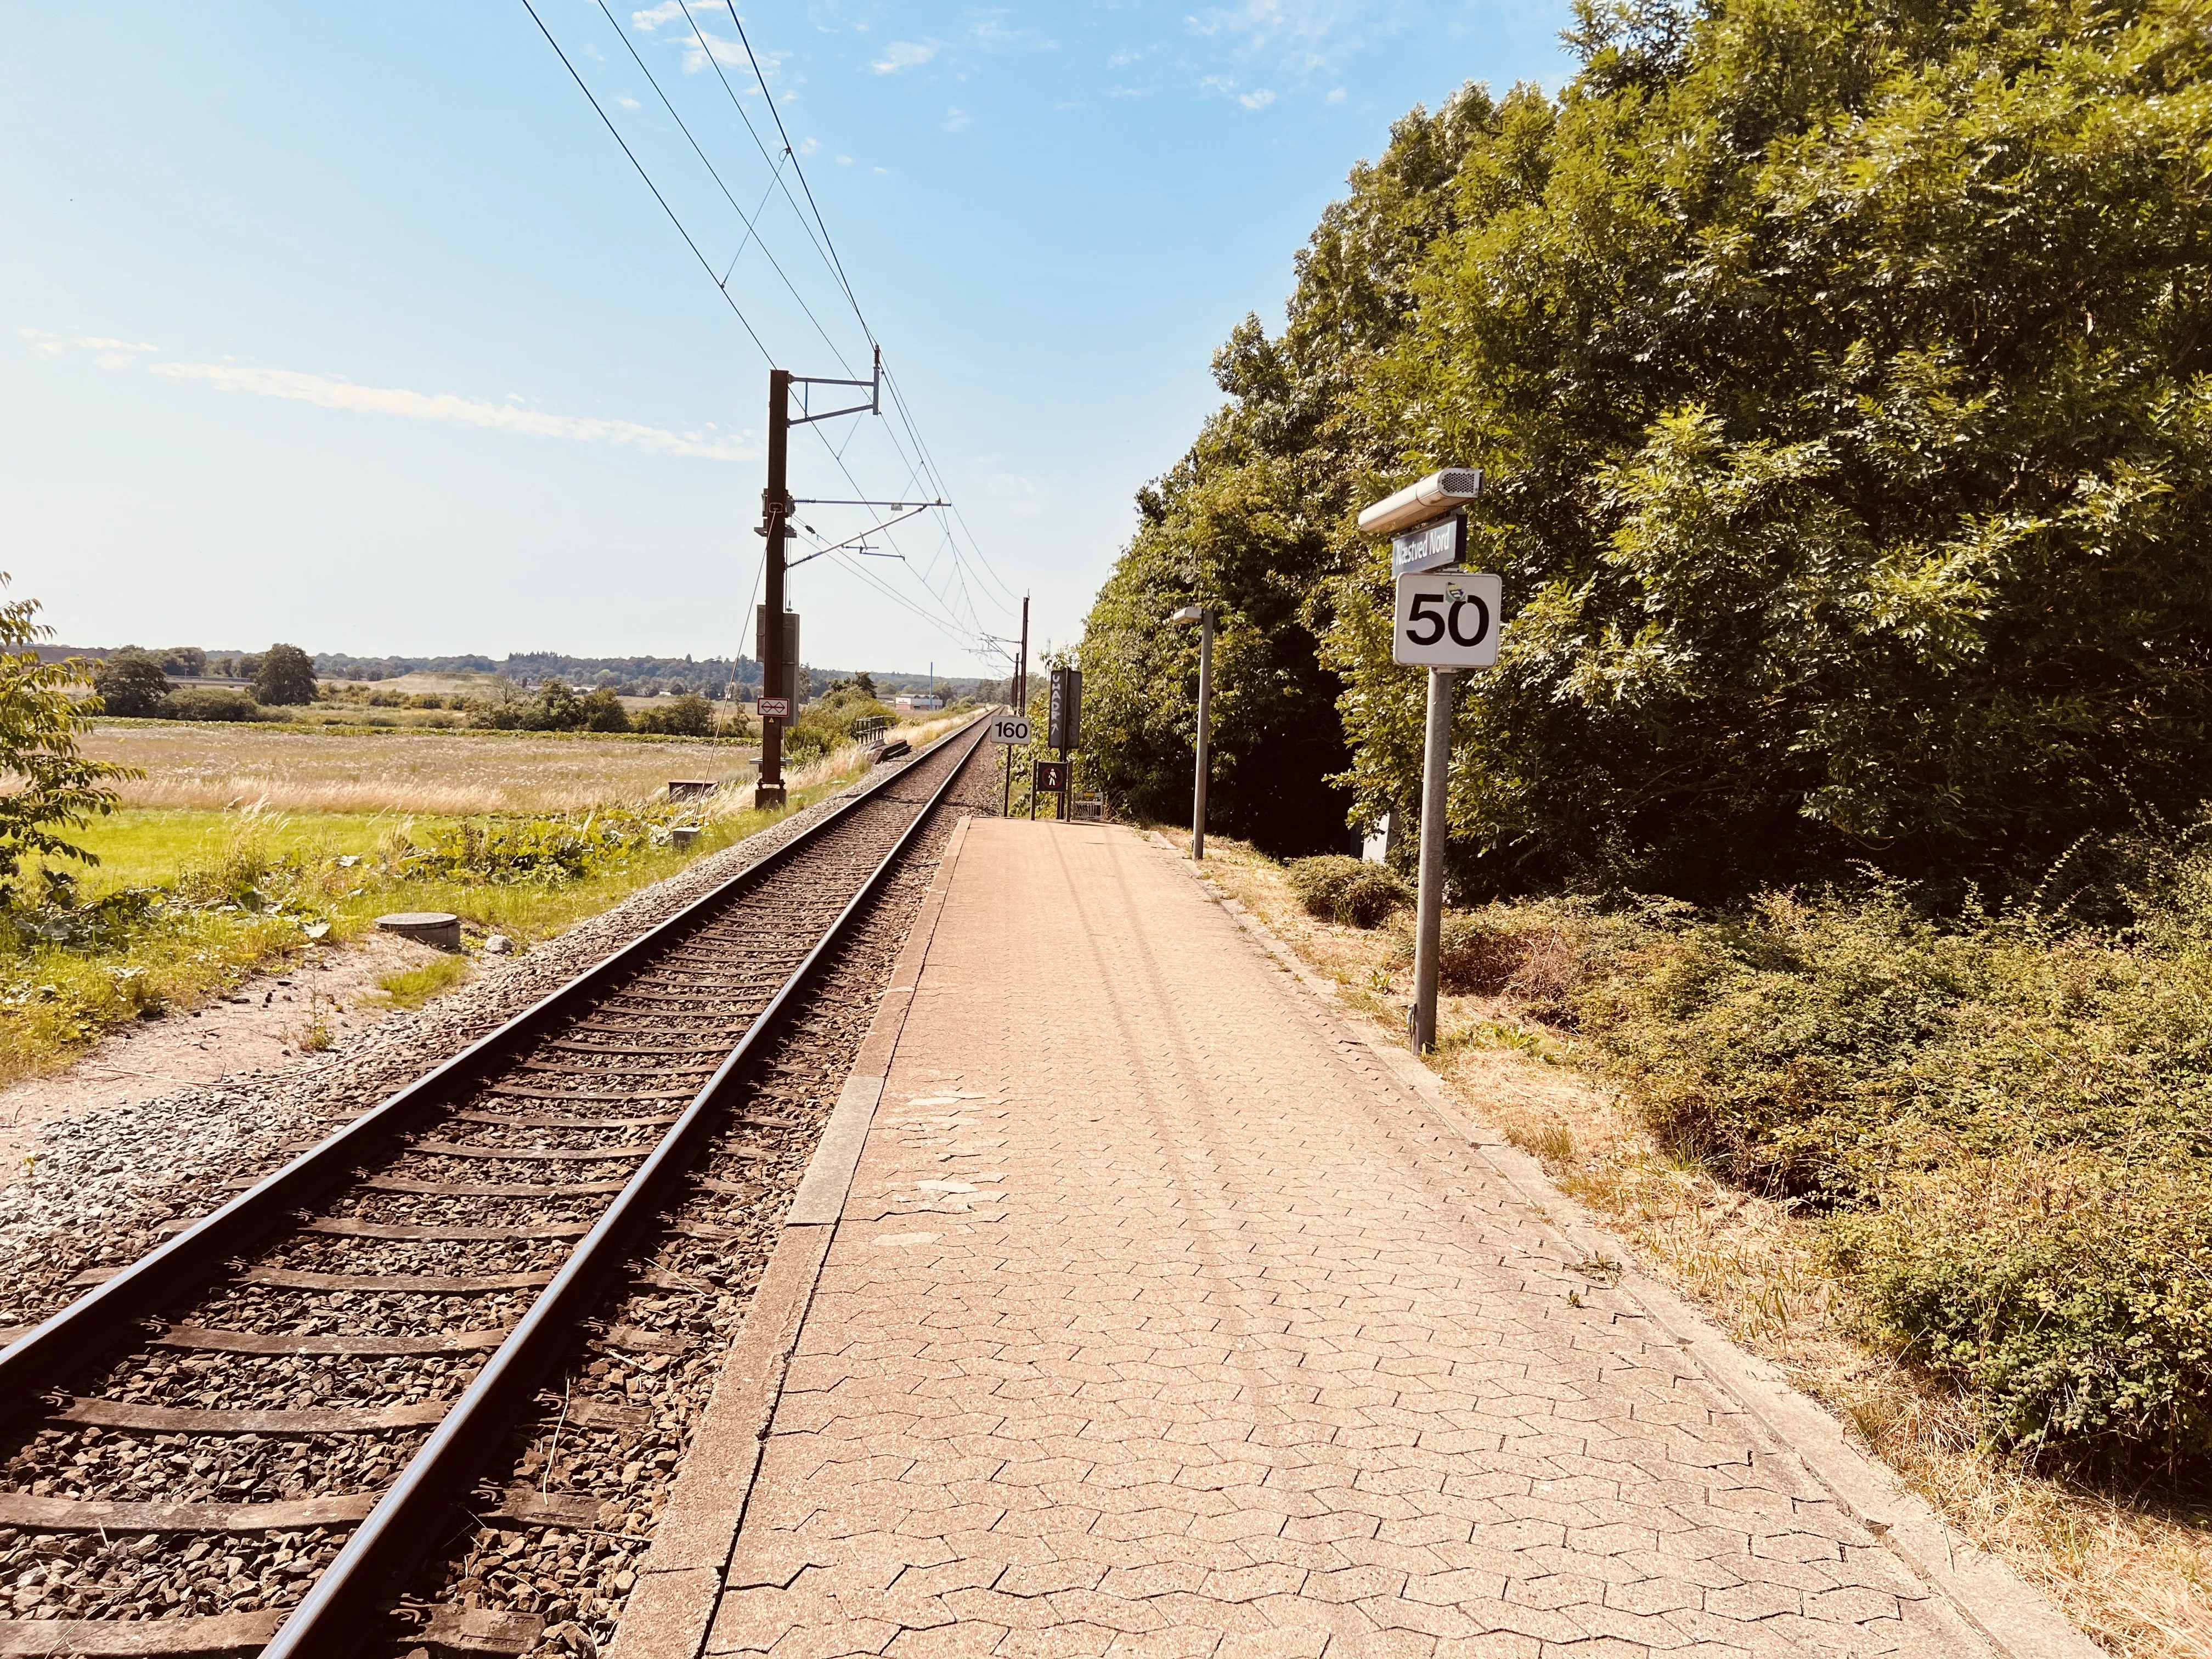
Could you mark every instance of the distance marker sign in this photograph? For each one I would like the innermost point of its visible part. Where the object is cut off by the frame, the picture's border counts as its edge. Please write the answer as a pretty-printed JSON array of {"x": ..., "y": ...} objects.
[{"x": 1447, "y": 619}]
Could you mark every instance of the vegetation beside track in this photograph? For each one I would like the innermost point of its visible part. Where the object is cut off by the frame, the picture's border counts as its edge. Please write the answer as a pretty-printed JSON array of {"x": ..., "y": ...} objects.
[
  {"x": 186, "y": 902},
  {"x": 1984, "y": 1248}
]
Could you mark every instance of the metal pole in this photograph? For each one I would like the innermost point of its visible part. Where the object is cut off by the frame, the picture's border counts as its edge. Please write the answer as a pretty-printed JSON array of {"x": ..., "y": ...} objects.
[
  {"x": 775, "y": 512},
  {"x": 1204, "y": 714},
  {"x": 1021, "y": 707},
  {"x": 1428, "y": 912}
]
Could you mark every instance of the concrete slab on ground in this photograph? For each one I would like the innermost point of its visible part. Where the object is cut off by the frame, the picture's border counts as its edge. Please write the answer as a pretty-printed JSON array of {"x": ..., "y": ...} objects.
[{"x": 1162, "y": 1315}]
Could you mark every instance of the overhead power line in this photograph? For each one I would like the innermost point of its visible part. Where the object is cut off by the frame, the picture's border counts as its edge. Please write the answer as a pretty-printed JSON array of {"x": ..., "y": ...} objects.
[
  {"x": 951, "y": 598},
  {"x": 648, "y": 177}
]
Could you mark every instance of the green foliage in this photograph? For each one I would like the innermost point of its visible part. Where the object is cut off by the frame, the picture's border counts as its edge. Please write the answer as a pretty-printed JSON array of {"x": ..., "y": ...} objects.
[
  {"x": 827, "y": 722},
  {"x": 1345, "y": 889},
  {"x": 51, "y": 786},
  {"x": 508, "y": 850},
  {"x": 1843, "y": 382},
  {"x": 687, "y": 715},
  {"x": 2007, "y": 1121},
  {"x": 285, "y": 677},
  {"x": 411, "y": 988},
  {"x": 129, "y": 682},
  {"x": 603, "y": 711},
  {"x": 209, "y": 702}
]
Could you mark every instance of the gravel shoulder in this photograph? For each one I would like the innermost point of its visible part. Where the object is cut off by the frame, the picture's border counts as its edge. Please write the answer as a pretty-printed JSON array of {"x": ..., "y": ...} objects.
[{"x": 115, "y": 1156}]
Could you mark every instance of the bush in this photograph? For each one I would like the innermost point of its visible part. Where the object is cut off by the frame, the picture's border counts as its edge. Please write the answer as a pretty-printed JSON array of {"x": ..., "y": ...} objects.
[
  {"x": 1346, "y": 889},
  {"x": 2073, "y": 1294},
  {"x": 1533, "y": 951},
  {"x": 2005, "y": 1121},
  {"x": 689, "y": 716},
  {"x": 130, "y": 683},
  {"x": 210, "y": 703}
]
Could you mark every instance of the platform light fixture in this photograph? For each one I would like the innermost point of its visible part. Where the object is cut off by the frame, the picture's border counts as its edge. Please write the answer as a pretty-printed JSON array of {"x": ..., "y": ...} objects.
[{"x": 1204, "y": 618}]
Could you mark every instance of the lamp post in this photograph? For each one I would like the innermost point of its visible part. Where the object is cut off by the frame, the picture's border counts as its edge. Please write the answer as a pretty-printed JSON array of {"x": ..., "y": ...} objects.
[{"x": 1204, "y": 618}]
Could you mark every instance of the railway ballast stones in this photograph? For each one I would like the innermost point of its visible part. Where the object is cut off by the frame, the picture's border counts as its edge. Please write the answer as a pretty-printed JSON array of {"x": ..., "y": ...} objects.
[{"x": 439, "y": 927}]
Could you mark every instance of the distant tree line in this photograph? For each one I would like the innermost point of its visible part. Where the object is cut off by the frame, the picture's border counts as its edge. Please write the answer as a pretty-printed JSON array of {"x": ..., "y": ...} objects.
[{"x": 135, "y": 682}]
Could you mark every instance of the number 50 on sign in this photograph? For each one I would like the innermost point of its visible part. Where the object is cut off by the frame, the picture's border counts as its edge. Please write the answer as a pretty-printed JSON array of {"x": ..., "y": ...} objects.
[{"x": 1447, "y": 619}]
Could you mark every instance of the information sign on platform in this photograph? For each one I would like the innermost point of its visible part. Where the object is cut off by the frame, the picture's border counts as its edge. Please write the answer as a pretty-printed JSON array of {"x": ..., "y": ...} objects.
[
  {"x": 1427, "y": 546},
  {"x": 1447, "y": 619},
  {"x": 772, "y": 708},
  {"x": 1047, "y": 777},
  {"x": 1010, "y": 728},
  {"x": 1064, "y": 721}
]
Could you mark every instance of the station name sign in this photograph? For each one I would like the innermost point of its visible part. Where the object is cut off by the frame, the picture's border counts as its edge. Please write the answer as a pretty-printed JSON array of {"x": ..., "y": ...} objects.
[{"x": 1426, "y": 547}]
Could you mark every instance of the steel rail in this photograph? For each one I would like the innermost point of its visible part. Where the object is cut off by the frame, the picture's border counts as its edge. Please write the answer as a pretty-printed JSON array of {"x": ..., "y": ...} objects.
[
  {"x": 78, "y": 1334},
  {"x": 339, "y": 1612}
]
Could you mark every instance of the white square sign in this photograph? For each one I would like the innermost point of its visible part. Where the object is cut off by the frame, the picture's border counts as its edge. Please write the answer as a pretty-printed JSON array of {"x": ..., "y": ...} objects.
[{"x": 1447, "y": 619}]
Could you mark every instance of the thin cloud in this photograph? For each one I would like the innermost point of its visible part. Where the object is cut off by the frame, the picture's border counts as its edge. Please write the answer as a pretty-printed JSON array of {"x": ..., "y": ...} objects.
[
  {"x": 957, "y": 120},
  {"x": 902, "y": 55},
  {"x": 448, "y": 409},
  {"x": 110, "y": 353},
  {"x": 1301, "y": 40}
]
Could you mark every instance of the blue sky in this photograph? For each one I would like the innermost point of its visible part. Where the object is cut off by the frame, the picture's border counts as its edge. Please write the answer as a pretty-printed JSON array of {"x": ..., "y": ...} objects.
[{"x": 354, "y": 327}]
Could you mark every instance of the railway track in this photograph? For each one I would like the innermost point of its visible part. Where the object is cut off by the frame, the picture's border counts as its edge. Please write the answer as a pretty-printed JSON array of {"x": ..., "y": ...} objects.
[{"x": 249, "y": 1439}]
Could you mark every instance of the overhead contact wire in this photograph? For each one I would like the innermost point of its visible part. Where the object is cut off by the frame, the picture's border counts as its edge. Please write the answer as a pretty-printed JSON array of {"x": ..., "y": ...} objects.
[{"x": 760, "y": 344}]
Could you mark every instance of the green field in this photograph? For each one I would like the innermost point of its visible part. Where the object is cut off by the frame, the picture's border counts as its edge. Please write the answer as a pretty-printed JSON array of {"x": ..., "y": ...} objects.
[
  {"x": 186, "y": 900},
  {"x": 149, "y": 846}
]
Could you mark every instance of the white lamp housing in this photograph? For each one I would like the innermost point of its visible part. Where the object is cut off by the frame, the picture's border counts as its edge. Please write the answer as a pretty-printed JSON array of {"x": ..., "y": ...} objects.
[{"x": 1417, "y": 503}]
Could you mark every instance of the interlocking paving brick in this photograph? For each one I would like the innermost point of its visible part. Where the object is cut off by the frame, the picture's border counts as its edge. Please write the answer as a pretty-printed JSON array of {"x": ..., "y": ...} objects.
[{"x": 1161, "y": 1323}]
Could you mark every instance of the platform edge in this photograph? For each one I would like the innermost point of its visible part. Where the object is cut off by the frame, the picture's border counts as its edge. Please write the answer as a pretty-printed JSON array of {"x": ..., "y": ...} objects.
[{"x": 1988, "y": 1594}]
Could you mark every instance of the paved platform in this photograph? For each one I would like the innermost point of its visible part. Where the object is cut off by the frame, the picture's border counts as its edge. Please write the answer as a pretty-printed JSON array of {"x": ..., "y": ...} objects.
[{"x": 1162, "y": 1317}]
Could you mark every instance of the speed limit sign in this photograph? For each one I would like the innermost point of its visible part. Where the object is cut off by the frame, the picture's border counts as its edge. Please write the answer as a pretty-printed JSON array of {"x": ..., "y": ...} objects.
[
  {"x": 1447, "y": 619},
  {"x": 1010, "y": 728}
]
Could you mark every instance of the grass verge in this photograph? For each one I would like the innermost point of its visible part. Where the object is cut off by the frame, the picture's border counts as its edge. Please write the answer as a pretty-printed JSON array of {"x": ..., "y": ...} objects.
[
  {"x": 2128, "y": 1558},
  {"x": 194, "y": 901},
  {"x": 413, "y": 987}
]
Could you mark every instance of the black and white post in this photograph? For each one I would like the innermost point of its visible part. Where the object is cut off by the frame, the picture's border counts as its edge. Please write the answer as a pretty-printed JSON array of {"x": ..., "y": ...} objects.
[
  {"x": 1447, "y": 621},
  {"x": 1204, "y": 618}
]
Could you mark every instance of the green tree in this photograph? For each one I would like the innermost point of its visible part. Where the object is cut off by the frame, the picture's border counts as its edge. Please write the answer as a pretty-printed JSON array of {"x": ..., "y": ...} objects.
[
  {"x": 53, "y": 786},
  {"x": 557, "y": 709},
  {"x": 129, "y": 682},
  {"x": 603, "y": 711},
  {"x": 1250, "y": 524},
  {"x": 686, "y": 715},
  {"x": 1843, "y": 381},
  {"x": 285, "y": 677}
]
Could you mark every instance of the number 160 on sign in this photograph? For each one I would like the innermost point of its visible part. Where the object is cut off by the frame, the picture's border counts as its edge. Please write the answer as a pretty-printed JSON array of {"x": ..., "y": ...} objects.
[{"x": 1447, "y": 619}]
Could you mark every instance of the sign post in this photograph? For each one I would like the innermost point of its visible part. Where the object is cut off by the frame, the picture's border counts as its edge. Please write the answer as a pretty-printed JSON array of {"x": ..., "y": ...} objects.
[
  {"x": 1447, "y": 621},
  {"x": 1064, "y": 725}
]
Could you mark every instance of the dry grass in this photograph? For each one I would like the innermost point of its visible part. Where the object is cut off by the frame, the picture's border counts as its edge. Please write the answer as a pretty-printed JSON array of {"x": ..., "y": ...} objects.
[
  {"x": 442, "y": 773},
  {"x": 2133, "y": 1571}
]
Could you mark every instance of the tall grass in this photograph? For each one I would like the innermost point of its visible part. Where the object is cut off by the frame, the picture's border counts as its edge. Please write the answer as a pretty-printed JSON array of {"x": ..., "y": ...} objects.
[
  {"x": 243, "y": 889},
  {"x": 449, "y": 774}
]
